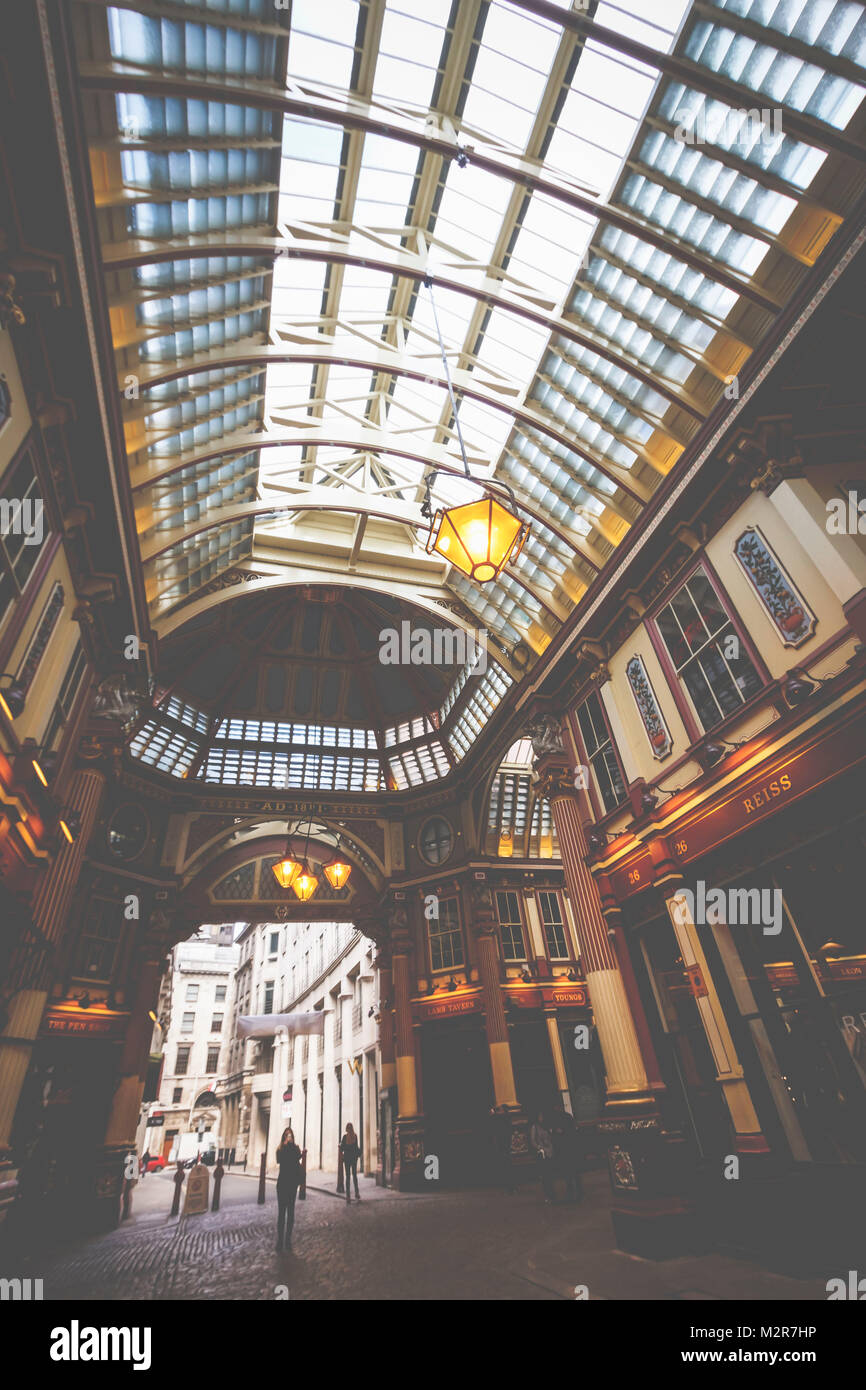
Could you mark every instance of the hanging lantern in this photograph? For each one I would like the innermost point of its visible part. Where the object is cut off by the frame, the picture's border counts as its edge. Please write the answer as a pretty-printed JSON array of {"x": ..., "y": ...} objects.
[
  {"x": 305, "y": 883},
  {"x": 286, "y": 871},
  {"x": 478, "y": 538},
  {"x": 337, "y": 872}
]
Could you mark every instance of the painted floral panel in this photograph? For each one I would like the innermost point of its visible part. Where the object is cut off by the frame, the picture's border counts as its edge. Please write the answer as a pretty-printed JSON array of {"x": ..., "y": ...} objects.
[
  {"x": 792, "y": 618},
  {"x": 656, "y": 730}
]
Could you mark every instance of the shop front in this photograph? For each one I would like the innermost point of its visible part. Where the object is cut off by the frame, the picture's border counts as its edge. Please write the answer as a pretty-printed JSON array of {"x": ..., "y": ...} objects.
[{"x": 746, "y": 933}]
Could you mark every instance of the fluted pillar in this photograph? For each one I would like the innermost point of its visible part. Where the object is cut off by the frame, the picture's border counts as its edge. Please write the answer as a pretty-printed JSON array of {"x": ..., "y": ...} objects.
[{"x": 624, "y": 1066}]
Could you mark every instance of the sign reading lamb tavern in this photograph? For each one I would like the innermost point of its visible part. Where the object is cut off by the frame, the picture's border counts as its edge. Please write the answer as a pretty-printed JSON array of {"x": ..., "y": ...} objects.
[{"x": 447, "y": 1008}]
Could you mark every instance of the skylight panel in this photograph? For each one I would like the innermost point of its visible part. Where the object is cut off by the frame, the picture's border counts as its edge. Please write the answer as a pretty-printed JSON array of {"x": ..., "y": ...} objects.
[
  {"x": 654, "y": 26},
  {"x": 320, "y": 60},
  {"x": 512, "y": 345},
  {"x": 402, "y": 80}
]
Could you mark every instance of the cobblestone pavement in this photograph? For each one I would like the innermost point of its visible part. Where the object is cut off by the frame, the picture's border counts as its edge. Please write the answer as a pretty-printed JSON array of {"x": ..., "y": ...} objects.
[{"x": 465, "y": 1246}]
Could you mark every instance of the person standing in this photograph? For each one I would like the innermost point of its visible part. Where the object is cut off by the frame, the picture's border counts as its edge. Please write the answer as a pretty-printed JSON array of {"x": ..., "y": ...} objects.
[
  {"x": 145, "y": 1159},
  {"x": 351, "y": 1151},
  {"x": 500, "y": 1134},
  {"x": 542, "y": 1141},
  {"x": 288, "y": 1182}
]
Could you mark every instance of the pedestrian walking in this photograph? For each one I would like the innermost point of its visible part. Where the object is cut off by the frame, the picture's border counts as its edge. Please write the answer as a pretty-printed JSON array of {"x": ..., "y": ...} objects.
[
  {"x": 351, "y": 1151},
  {"x": 145, "y": 1159},
  {"x": 288, "y": 1181},
  {"x": 541, "y": 1140},
  {"x": 500, "y": 1137}
]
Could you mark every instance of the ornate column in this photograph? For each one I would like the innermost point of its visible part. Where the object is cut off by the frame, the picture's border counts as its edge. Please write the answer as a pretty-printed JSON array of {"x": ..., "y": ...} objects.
[
  {"x": 387, "y": 1062},
  {"x": 409, "y": 1156},
  {"x": 49, "y": 911},
  {"x": 627, "y": 1087}
]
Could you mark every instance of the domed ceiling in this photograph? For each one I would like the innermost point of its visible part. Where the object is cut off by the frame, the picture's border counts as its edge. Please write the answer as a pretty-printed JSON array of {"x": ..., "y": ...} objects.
[{"x": 306, "y": 654}]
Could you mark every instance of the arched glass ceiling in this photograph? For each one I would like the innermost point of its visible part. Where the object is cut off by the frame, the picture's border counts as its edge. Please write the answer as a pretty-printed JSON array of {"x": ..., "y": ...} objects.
[{"x": 608, "y": 240}]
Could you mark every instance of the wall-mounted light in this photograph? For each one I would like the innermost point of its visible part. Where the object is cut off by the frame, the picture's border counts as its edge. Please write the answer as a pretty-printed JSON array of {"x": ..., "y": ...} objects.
[
  {"x": 596, "y": 841},
  {"x": 798, "y": 686},
  {"x": 84, "y": 1000},
  {"x": 70, "y": 826},
  {"x": 13, "y": 698}
]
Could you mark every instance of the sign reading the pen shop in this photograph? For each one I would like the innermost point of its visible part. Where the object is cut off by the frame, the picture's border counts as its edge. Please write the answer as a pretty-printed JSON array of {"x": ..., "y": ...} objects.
[{"x": 196, "y": 1190}]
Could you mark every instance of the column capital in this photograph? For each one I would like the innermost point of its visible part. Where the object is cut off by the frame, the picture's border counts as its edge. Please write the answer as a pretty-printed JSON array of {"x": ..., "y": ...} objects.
[{"x": 554, "y": 776}]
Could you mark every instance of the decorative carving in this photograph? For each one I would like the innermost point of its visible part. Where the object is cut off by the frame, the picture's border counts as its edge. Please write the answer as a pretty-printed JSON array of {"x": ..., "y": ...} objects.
[
  {"x": 656, "y": 729},
  {"x": 791, "y": 616},
  {"x": 119, "y": 699},
  {"x": 545, "y": 732}
]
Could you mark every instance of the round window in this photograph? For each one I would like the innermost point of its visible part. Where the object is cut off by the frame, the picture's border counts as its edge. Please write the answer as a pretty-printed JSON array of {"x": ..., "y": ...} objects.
[
  {"x": 436, "y": 840},
  {"x": 127, "y": 832}
]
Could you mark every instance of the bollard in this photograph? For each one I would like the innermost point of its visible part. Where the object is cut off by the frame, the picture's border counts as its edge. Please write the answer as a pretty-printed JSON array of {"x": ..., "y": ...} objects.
[
  {"x": 263, "y": 1169},
  {"x": 218, "y": 1174},
  {"x": 178, "y": 1184},
  {"x": 339, "y": 1169},
  {"x": 302, "y": 1190}
]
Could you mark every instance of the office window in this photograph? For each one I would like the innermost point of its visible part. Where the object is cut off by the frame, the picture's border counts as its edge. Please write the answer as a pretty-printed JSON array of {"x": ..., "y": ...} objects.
[
  {"x": 176, "y": 1095},
  {"x": 182, "y": 1062},
  {"x": 510, "y": 926},
  {"x": 191, "y": 994},
  {"x": 446, "y": 938},
  {"x": 187, "y": 1022},
  {"x": 554, "y": 927},
  {"x": 268, "y": 1005},
  {"x": 213, "y": 1060},
  {"x": 216, "y": 1023},
  {"x": 601, "y": 753},
  {"x": 274, "y": 943},
  {"x": 220, "y": 994},
  {"x": 707, "y": 652}
]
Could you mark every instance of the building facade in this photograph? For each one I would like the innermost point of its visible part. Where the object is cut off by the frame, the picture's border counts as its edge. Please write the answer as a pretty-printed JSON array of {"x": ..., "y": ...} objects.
[{"x": 196, "y": 1007}]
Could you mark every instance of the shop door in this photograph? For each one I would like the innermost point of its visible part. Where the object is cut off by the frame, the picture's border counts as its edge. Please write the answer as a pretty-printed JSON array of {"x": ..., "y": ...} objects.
[
  {"x": 458, "y": 1094},
  {"x": 683, "y": 1051}
]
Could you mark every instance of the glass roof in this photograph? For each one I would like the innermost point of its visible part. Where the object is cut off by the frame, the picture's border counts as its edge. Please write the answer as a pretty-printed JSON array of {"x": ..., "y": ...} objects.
[{"x": 608, "y": 226}]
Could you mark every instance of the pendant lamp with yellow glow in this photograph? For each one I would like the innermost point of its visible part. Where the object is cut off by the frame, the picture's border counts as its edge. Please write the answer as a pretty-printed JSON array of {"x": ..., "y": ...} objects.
[
  {"x": 286, "y": 870},
  {"x": 337, "y": 870},
  {"x": 478, "y": 538},
  {"x": 306, "y": 883}
]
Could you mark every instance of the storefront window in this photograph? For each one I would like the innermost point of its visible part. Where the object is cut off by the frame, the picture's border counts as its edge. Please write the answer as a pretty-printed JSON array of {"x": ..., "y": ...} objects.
[{"x": 99, "y": 943}]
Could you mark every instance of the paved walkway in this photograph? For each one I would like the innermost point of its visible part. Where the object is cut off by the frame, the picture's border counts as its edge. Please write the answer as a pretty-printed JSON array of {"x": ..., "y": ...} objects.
[{"x": 464, "y": 1245}]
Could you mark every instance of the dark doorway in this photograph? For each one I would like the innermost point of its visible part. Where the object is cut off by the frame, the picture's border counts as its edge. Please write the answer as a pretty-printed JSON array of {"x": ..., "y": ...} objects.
[{"x": 458, "y": 1094}]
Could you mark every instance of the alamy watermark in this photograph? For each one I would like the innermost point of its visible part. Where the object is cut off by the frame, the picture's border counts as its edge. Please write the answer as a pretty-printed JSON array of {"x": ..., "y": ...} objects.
[
  {"x": 727, "y": 127},
  {"x": 736, "y": 907},
  {"x": 846, "y": 516},
  {"x": 440, "y": 646},
  {"x": 23, "y": 518}
]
